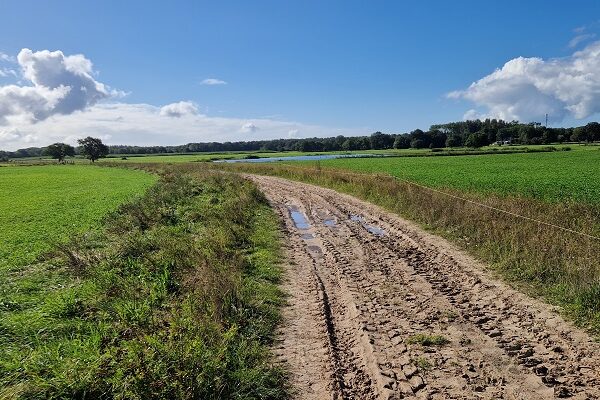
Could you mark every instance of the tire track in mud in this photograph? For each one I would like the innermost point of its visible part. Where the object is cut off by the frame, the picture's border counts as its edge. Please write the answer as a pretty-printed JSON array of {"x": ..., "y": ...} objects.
[{"x": 364, "y": 284}]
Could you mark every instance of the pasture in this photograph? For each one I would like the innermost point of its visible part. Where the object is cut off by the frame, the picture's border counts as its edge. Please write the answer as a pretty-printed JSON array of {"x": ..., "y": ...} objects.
[
  {"x": 43, "y": 205},
  {"x": 172, "y": 294},
  {"x": 548, "y": 176}
]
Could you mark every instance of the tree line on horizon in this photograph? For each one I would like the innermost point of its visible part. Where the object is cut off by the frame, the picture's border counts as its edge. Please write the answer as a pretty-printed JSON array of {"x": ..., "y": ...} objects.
[{"x": 469, "y": 133}]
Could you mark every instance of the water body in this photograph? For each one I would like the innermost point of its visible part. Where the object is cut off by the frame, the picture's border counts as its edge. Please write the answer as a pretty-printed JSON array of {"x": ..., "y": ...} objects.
[
  {"x": 375, "y": 230},
  {"x": 297, "y": 158}
]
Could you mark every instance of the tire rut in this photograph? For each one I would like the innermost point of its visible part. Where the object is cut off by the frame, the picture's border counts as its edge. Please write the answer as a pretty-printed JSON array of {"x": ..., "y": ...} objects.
[{"x": 369, "y": 287}]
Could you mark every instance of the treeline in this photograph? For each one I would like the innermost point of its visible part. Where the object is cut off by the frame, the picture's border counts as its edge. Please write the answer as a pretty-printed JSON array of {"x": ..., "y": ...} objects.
[{"x": 470, "y": 133}]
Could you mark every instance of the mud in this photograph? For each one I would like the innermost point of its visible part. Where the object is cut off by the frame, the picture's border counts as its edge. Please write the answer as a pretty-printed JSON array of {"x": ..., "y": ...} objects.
[{"x": 363, "y": 287}]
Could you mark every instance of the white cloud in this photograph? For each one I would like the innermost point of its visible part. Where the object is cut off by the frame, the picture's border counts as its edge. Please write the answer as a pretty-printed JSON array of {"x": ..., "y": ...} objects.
[
  {"x": 213, "y": 81},
  {"x": 249, "y": 127},
  {"x": 293, "y": 133},
  {"x": 179, "y": 109},
  {"x": 61, "y": 100},
  {"x": 526, "y": 89},
  {"x": 5, "y": 72},
  {"x": 580, "y": 39},
  {"x": 5, "y": 57},
  {"x": 143, "y": 124},
  {"x": 60, "y": 85}
]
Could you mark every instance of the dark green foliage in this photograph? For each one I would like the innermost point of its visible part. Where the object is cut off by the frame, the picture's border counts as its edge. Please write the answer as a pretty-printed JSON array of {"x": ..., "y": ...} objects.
[
  {"x": 59, "y": 151},
  {"x": 476, "y": 140},
  {"x": 402, "y": 142},
  {"x": 453, "y": 134},
  {"x": 93, "y": 148}
]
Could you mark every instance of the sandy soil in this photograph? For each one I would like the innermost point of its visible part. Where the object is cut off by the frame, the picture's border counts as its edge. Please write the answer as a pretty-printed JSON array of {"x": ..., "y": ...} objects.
[{"x": 363, "y": 283}]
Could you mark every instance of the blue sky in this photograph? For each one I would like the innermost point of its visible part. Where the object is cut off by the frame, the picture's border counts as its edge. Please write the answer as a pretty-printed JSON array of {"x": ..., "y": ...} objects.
[{"x": 334, "y": 66}]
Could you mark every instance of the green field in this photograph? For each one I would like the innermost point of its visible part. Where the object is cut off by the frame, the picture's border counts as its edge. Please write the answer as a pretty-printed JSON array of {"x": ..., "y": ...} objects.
[
  {"x": 554, "y": 176},
  {"x": 41, "y": 205},
  {"x": 172, "y": 295}
]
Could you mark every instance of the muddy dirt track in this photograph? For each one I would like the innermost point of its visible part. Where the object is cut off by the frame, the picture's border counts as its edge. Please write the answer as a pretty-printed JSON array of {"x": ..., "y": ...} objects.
[{"x": 363, "y": 285}]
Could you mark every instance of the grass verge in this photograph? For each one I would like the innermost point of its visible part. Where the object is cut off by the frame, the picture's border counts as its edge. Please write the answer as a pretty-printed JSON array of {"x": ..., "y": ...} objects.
[
  {"x": 176, "y": 298},
  {"x": 562, "y": 267}
]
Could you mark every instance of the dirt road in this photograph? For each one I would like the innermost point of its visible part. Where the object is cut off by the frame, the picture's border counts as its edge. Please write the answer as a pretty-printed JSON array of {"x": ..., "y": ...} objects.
[{"x": 364, "y": 284}]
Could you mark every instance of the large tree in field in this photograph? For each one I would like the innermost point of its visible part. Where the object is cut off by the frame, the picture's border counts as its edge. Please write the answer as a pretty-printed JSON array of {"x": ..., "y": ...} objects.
[
  {"x": 93, "y": 148},
  {"x": 59, "y": 151}
]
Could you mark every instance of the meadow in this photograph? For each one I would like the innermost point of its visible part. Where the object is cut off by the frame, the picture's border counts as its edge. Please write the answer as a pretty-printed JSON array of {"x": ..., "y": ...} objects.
[
  {"x": 45, "y": 205},
  {"x": 228, "y": 155},
  {"x": 549, "y": 176},
  {"x": 173, "y": 295}
]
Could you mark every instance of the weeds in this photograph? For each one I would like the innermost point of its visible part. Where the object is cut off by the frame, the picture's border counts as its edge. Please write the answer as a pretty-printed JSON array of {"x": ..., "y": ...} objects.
[
  {"x": 428, "y": 340},
  {"x": 176, "y": 298},
  {"x": 562, "y": 267},
  {"x": 423, "y": 364}
]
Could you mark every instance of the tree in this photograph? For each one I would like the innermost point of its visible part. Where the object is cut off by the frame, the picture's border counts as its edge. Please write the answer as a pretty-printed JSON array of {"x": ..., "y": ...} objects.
[
  {"x": 93, "y": 148},
  {"x": 438, "y": 138},
  {"x": 453, "y": 141},
  {"x": 419, "y": 139},
  {"x": 381, "y": 141},
  {"x": 593, "y": 131},
  {"x": 59, "y": 151},
  {"x": 402, "y": 142},
  {"x": 476, "y": 140},
  {"x": 579, "y": 134}
]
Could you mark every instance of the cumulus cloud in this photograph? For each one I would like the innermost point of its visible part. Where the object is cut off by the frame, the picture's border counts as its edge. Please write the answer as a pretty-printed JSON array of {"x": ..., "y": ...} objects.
[
  {"x": 59, "y": 85},
  {"x": 249, "y": 127},
  {"x": 58, "y": 99},
  {"x": 143, "y": 124},
  {"x": 180, "y": 109},
  {"x": 526, "y": 89},
  {"x": 213, "y": 81}
]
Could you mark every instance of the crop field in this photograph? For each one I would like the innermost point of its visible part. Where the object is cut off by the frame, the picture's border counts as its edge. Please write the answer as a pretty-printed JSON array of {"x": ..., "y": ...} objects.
[
  {"x": 552, "y": 176},
  {"x": 42, "y": 205}
]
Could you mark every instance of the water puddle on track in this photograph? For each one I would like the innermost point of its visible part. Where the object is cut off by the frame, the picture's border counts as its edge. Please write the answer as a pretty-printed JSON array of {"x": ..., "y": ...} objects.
[
  {"x": 375, "y": 230},
  {"x": 299, "y": 218},
  {"x": 330, "y": 222}
]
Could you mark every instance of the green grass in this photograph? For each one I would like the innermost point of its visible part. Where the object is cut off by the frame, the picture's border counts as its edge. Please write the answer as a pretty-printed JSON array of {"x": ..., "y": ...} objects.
[
  {"x": 428, "y": 340},
  {"x": 555, "y": 176},
  {"x": 541, "y": 260},
  {"x": 176, "y": 297},
  {"x": 42, "y": 205}
]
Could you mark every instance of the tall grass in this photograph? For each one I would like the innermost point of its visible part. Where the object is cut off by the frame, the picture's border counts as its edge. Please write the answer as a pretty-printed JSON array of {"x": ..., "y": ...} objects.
[
  {"x": 562, "y": 267},
  {"x": 176, "y": 298}
]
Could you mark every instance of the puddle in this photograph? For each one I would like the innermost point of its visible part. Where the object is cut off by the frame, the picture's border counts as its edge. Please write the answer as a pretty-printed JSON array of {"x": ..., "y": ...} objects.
[
  {"x": 299, "y": 218},
  {"x": 316, "y": 250},
  {"x": 329, "y": 222},
  {"x": 307, "y": 236},
  {"x": 375, "y": 230}
]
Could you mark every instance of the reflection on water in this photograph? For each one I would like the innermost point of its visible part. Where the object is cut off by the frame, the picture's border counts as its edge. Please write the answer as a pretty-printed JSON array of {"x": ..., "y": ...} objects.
[{"x": 295, "y": 158}]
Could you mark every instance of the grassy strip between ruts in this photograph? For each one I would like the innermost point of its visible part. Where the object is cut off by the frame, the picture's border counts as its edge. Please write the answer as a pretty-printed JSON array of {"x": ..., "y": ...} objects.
[
  {"x": 176, "y": 298},
  {"x": 562, "y": 267}
]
